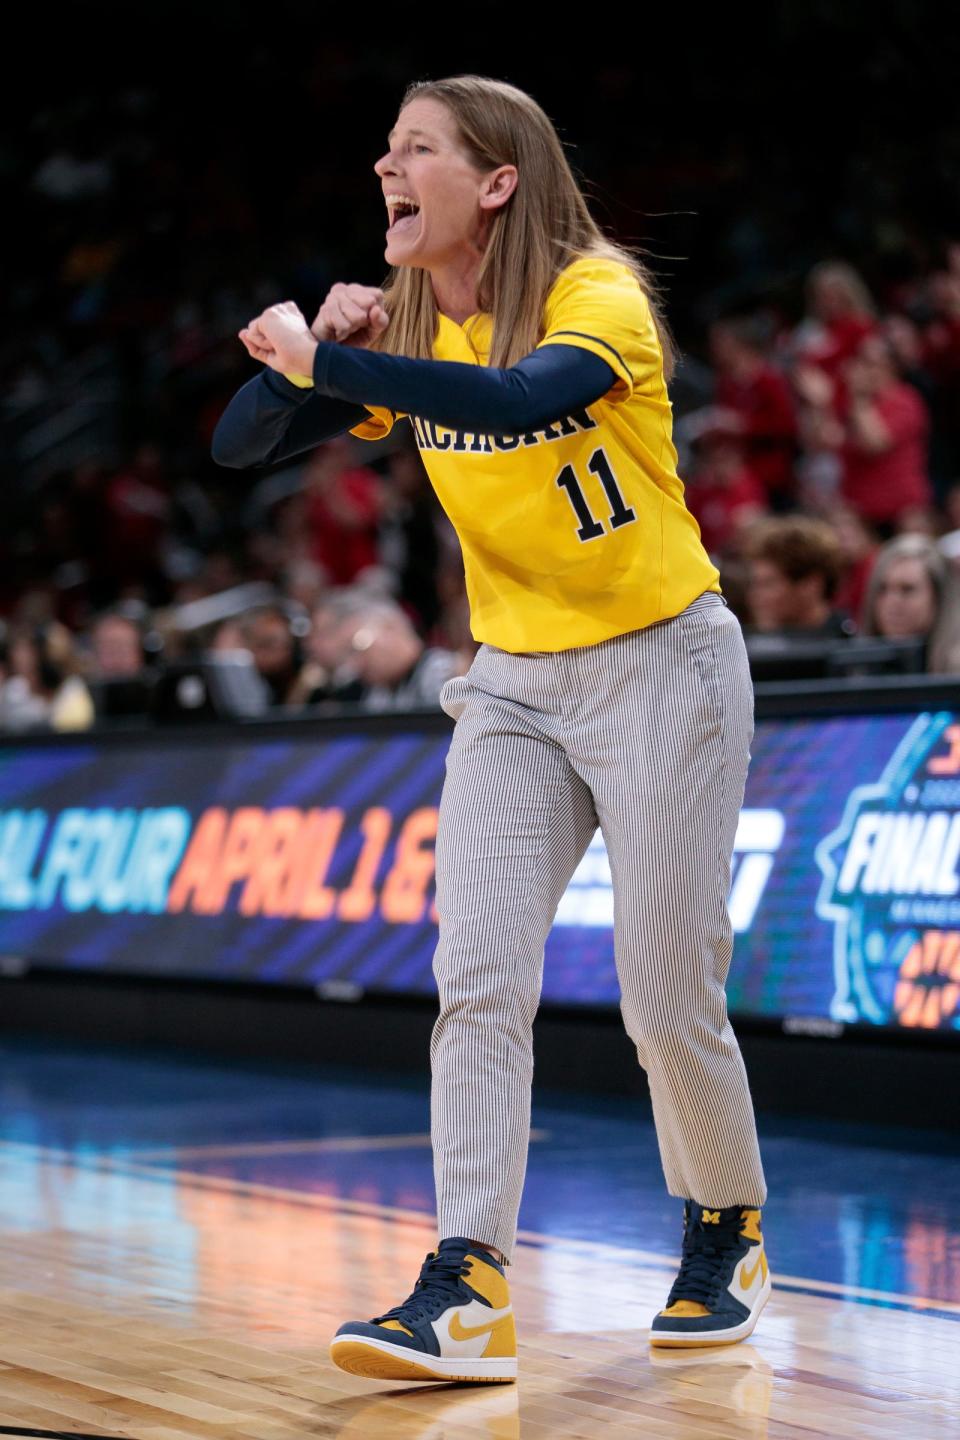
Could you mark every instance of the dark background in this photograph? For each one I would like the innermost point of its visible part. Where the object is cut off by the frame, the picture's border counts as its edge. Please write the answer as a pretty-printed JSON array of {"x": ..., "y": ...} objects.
[
  {"x": 229, "y": 151},
  {"x": 740, "y": 147}
]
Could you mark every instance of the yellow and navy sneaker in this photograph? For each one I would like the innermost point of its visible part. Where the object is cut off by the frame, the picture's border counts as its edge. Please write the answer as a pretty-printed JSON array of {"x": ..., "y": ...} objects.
[
  {"x": 724, "y": 1281},
  {"x": 456, "y": 1325}
]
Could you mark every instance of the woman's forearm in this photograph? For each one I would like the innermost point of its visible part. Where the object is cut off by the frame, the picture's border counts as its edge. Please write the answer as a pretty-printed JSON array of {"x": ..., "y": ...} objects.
[
  {"x": 545, "y": 386},
  {"x": 270, "y": 419}
]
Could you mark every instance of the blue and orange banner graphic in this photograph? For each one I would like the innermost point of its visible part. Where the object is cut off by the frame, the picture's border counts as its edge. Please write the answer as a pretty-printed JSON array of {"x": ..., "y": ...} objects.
[{"x": 309, "y": 858}]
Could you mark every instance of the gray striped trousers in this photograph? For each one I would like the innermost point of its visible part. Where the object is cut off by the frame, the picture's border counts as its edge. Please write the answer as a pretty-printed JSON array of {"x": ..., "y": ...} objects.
[{"x": 648, "y": 735}]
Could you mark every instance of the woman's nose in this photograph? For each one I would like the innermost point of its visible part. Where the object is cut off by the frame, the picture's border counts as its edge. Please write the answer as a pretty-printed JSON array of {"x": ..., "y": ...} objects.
[{"x": 385, "y": 165}]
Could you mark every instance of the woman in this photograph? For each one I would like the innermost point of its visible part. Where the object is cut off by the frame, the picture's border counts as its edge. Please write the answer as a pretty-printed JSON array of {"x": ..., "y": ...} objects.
[
  {"x": 43, "y": 688},
  {"x": 913, "y": 595},
  {"x": 840, "y": 313},
  {"x": 611, "y": 687}
]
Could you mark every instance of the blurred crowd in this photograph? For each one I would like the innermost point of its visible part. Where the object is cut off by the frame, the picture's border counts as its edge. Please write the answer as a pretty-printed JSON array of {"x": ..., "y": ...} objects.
[
  {"x": 348, "y": 591},
  {"x": 824, "y": 470},
  {"x": 817, "y": 406},
  {"x": 822, "y": 461}
]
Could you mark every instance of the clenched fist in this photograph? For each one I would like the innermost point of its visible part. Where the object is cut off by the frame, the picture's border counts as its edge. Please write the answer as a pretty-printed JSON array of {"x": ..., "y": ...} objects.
[
  {"x": 352, "y": 315},
  {"x": 281, "y": 338}
]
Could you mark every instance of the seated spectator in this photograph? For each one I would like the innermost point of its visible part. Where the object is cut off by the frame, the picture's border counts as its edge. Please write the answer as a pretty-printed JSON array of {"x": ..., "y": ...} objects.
[
  {"x": 912, "y": 595},
  {"x": 394, "y": 667},
  {"x": 121, "y": 681},
  {"x": 329, "y": 672},
  {"x": 116, "y": 644},
  {"x": 794, "y": 565},
  {"x": 43, "y": 688},
  {"x": 276, "y": 648},
  {"x": 754, "y": 401},
  {"x": 723, "y": 493}
]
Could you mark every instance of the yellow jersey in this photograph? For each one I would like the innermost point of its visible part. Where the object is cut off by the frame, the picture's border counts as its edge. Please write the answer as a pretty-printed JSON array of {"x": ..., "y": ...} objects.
[{"x": 577, "y": 531}]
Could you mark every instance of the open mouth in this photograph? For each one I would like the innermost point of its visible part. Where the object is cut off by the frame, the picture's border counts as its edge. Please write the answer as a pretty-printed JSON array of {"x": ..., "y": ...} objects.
[{"x": 403, "y": 213}]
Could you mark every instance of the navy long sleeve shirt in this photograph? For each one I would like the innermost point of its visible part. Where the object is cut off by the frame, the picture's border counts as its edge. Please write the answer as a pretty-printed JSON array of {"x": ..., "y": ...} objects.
[{"x": 270, "y": 419}]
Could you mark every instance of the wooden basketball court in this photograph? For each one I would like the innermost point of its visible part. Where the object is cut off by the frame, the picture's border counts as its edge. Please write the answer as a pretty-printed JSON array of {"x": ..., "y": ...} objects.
[{"x": 160, "y": 1293}]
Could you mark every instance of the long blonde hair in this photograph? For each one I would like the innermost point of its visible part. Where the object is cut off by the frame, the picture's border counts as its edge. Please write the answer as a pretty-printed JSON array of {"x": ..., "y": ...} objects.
[
  {"x": 543, "y": 227},
  {"x": 943, "y": 640},
  {"x": 859, "y": 299}
]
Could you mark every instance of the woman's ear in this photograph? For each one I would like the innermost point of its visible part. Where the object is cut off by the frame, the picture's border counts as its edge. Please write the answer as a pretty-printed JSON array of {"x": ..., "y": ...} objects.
[{"x": 498, "y": 186}]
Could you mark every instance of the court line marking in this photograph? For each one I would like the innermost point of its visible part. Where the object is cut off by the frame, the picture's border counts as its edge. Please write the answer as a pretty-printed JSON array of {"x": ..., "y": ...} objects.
[
  {"x": 58, "y": 1434},
  {"x": 337, "y": 1144},
  {"x": 647, "y": 1259}
]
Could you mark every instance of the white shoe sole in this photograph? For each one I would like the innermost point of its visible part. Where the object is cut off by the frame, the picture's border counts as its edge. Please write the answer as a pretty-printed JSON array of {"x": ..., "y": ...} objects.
[
  {"x": 379, "y": 1360},
  {"x": 690, "y": 1339}
]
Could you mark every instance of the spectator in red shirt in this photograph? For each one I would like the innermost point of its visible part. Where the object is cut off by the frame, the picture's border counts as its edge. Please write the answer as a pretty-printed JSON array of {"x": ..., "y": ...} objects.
[
  {"x": 877, "y": 433},
  {"x": 723, "y": 493},
  {"x": 755, "y": 401},
  {"x": 840, "y": 313},
  {"x": 342, "y": 511},
  {"x": 884, "y": 439}
]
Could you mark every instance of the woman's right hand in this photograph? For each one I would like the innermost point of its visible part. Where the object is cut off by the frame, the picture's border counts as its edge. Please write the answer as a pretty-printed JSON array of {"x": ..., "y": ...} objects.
[
  {"x": 255, "y": 342},
  {"x": 351, "y": 315}
]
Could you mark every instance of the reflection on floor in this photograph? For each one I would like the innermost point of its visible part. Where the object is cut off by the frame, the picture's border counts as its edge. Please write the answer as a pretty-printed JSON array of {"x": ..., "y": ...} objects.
[{"x": 180, "y": 1237}]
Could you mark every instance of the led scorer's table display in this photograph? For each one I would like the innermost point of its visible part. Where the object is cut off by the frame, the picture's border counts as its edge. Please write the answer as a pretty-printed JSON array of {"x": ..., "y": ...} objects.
[{"x": 307, "y": 858}]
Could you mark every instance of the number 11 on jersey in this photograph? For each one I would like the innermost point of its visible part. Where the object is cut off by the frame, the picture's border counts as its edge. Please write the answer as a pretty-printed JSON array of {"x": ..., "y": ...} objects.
[{"x": 620, "y": 511}]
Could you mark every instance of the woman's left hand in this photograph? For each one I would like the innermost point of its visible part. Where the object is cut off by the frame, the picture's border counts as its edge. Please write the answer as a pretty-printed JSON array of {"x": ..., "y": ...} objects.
[{"x": 281, "y": 338}]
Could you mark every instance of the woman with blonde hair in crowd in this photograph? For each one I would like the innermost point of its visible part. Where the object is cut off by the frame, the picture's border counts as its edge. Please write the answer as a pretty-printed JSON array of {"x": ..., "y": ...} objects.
[
  {"x": 913, "y": 593},
  {"x": 840, "y": 314},
  {"x": 43, "y": 687}
]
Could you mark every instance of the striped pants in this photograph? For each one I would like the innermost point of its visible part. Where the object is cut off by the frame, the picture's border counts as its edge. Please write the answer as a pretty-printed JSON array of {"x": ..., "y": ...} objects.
[{"x": 648, "y": 735}]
